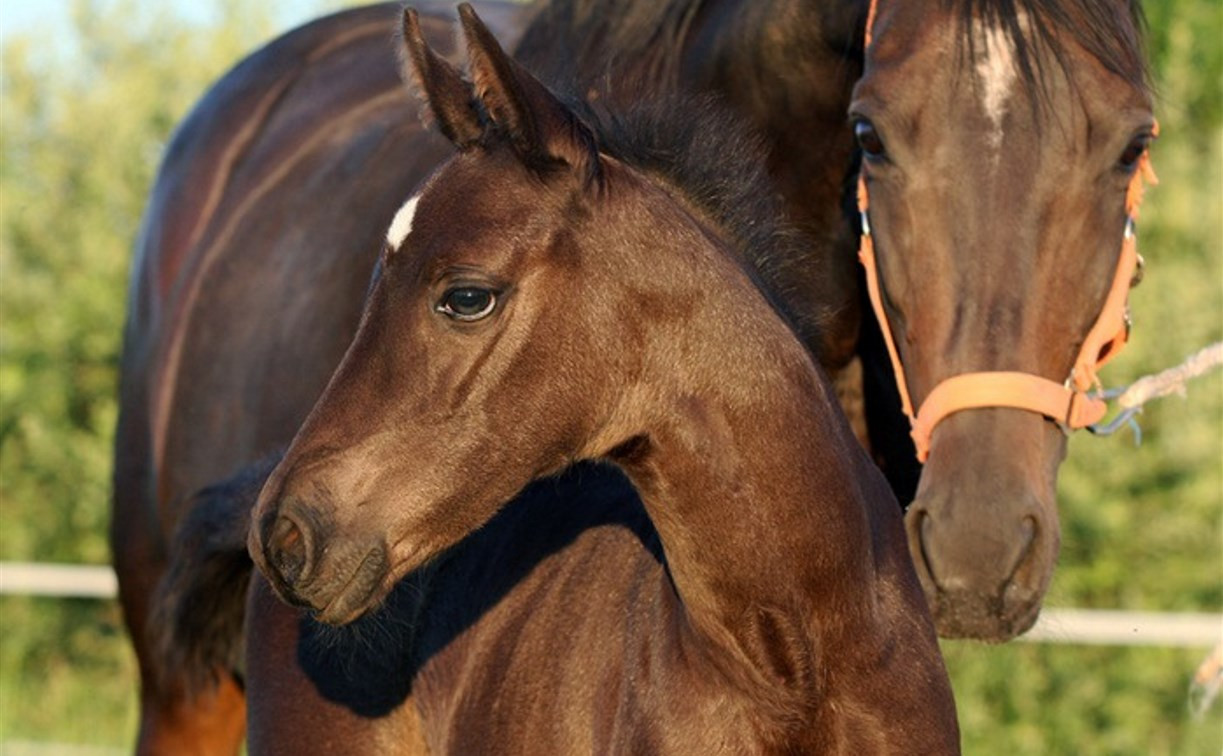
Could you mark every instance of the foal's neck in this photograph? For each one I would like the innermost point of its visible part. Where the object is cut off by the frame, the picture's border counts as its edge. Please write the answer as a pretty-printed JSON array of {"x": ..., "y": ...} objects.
[{"x": 768, "y": 512}]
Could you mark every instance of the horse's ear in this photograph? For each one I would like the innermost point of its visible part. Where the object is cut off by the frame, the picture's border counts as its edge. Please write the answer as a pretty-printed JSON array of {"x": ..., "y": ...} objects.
[
  {"x": 450, "y": 97},
  {"x": 543, "y": 131}
]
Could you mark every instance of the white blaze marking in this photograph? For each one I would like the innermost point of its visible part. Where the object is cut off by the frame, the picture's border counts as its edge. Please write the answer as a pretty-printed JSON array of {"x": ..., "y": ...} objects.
[
  {"x": 996, "y": 68},
  {"x": 401, "y": 226}
]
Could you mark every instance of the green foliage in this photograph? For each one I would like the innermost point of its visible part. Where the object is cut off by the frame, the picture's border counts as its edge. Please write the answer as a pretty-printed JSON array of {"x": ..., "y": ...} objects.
[
  {"x": 84, "y": 121},
  {"x": 67, "y": 673},
  {"x": 81, "y": 137},
  {"x": 1039, "y": 699}
]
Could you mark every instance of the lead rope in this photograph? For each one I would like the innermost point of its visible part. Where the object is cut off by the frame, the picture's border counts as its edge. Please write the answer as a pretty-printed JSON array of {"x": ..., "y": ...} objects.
[{"x": 1174, "y": 380}]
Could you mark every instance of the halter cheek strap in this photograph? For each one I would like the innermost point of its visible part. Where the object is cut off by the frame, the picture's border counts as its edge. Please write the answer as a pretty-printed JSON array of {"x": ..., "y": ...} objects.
[{"x": 1067, "y": 403}]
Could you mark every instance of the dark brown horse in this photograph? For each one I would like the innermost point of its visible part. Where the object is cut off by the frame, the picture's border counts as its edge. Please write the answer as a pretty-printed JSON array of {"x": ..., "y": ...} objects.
[
  {"x": 554, "y": 296},
  {"x": 253, "y": 264},
  {"x": 1004, "y": 149}
]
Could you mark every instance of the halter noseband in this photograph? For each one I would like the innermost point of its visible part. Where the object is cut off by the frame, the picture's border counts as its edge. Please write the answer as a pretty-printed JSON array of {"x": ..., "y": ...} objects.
[{"x": 1068, "y": 403}]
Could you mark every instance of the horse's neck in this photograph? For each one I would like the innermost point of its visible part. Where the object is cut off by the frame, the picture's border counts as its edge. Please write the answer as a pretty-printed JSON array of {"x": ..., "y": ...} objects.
[
  {"x": 793, "y": 60},
  {"x": 789, "y": 67},
  {"x": 767, "y": 512}
]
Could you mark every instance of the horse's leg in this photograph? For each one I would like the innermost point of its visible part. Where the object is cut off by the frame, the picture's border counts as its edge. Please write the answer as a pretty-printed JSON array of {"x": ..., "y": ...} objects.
[
  {"x": 287, "y": 713},
  {"x": 170, "y": 721},
  {"x": 210, "y": 723}
]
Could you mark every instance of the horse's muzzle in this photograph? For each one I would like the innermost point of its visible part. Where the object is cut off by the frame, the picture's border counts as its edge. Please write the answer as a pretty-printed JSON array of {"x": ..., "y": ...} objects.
[
  {"x": 994, "y": 594},
  {"x": 983, "y": 530}
]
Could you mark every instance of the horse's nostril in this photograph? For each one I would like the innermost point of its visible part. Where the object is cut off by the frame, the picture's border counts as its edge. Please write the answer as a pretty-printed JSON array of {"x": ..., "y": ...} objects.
[
  {"x": 1022, "y": 575},
  {"x": 920, "y": 525},
  {"x": 1029, "y": 528},
  {"x": 288, "y": 550}
]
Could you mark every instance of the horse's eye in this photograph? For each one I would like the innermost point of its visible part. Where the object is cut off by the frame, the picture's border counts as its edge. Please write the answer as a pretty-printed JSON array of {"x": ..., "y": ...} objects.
[
  {"x": 869, "y": 140},
  {"x": 467, "y": 303},
  {"x": 1133, "y": 152}
]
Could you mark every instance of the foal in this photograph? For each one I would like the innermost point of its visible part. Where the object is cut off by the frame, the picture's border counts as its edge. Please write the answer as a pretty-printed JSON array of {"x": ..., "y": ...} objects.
[{"x": 542, "y": 302}]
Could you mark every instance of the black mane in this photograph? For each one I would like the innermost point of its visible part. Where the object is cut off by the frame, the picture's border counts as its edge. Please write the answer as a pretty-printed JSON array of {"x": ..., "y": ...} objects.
[{"x": 698, "y": 147}]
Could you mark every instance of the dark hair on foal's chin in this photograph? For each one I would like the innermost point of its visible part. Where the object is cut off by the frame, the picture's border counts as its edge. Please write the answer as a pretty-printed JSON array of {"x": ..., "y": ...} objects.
[{"x": 1115, "y": 39}]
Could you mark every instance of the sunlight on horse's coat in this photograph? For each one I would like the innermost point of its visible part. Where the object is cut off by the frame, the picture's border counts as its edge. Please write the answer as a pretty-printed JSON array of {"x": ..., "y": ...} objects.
[{"x": 401, "y": 226}]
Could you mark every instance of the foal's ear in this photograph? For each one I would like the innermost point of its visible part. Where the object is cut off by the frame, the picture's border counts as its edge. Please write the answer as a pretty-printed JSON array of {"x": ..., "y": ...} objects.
[
  {"x": 450, "y": 97},
  {"x": 543, "y": 131}
]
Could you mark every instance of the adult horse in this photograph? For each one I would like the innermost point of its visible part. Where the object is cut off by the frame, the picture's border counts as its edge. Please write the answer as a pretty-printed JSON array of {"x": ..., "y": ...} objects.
[
  {"x": 252, "y": 265},
  {"x": 768, "y": 603},
  {"x": 1004, "y": 153}
]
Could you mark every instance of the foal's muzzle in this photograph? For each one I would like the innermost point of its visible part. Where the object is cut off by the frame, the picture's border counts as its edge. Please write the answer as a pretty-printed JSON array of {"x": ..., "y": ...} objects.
[{"x": 308, "y": 567}]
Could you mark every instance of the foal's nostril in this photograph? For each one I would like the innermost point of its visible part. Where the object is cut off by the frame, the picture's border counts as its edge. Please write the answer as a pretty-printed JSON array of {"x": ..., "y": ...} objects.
[{"x": 288, "y": 550}]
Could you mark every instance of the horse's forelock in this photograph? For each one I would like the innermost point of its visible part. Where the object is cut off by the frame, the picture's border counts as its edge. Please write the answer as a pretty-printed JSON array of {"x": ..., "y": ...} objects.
[{"x": 1114, "y": 39}]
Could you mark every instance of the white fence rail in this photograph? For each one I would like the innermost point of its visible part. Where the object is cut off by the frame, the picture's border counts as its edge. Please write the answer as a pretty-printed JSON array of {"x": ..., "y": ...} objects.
[
  {"x": 58, "y": 580},
  {"x": 1070, "y": 626}
]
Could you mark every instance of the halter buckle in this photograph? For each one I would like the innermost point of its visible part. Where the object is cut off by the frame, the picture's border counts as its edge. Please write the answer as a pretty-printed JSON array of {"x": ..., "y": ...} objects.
[{"x": 1063, "y": 423}]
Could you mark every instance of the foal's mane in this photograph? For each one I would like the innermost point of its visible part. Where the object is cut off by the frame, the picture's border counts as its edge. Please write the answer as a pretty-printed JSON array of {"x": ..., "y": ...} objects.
[
  {"x": 1115, "y": 39},
  {"x": 698, "y": 148}
]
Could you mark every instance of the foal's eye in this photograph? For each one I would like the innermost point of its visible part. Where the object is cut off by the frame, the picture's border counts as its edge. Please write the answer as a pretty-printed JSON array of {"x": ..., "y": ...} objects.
[
  {"x": 869, "y": 139},
  {"x": 467, "y": 303},
  {"x": 1133, "y": 152}
]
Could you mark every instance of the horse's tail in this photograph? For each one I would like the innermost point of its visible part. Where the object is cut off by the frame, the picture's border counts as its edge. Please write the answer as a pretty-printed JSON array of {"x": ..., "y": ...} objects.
[{"x": 200, "y": 603}]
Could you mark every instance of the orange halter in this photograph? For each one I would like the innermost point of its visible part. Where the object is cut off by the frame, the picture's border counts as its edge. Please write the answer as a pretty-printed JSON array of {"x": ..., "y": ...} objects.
[{"x": 1067, "y": 403}]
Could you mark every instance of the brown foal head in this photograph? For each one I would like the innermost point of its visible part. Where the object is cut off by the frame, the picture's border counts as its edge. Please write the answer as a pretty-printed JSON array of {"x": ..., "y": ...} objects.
[
  {"x": 503, "y": 339},
  {"x": 998, "y": 141}
]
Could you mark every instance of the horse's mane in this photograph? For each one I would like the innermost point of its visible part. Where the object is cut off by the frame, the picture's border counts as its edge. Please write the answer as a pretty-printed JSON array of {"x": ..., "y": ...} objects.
[
  {"x": 648, "y": 35},
  {"x": 1115, "y": 39},
  {"x": 699, "y": 148}
]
